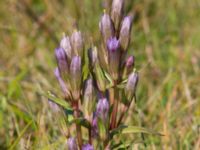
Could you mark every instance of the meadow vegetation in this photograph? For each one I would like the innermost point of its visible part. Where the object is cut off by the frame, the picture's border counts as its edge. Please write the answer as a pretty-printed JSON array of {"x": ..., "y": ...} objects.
[{"x": 165, "y": 43}]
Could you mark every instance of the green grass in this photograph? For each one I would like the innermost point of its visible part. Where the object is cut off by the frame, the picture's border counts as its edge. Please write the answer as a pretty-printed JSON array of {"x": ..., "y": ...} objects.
[{"x": 165, "y": 42}]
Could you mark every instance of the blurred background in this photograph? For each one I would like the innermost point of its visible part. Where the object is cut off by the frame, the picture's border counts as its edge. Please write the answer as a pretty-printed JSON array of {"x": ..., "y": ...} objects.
[{"x": 165, "y": 42}]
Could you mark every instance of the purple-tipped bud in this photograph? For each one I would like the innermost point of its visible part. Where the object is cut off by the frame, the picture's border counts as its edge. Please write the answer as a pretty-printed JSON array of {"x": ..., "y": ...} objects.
[
  {"x": 71, "y": 144},
  {"x": 113, "y": 57},
  {"x": 131, "y": 85},
  {"x": 87, "y": 147},
  {"x": 125, "y": 32},
  {"x": 93, "y": 56},
  {"x": 61, "y": 60},
  {"x": 103, "y": 109},
  {"x": 63, "y": 86},
  {"x": 89, "y": 99},
  {"x": 75, "y": 72},
  {"x": 117, "y": 12},
  {"x": 77, "y": 43},
  {"x": 65, "y": 44},
  {"x": 130, "y": 61},
  {"x": 106, "y": 27}
]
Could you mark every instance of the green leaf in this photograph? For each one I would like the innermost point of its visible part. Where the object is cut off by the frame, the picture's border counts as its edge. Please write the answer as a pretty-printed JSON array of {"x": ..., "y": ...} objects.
[
  {"x": 117, "y": 130},
  {"x": 102, "y": 129},
  {"x": 108, "y": 77},
  {"x": 56, "y": 100},
  {"x": 14, "y": 88},
  {"x": 135, "y": 129},
  {"x": 20, "y": 135},
  {"x": 81, "y": 121},
  {"x": 123, "y": 129}
]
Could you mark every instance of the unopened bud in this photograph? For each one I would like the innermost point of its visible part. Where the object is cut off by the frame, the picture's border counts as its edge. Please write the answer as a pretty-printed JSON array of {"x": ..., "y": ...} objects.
[
  {"x": 61, "y": 61},
  {"x": 106, "y": 27},
  {"x": 103, "y": 109},
  {"x": 131, "y": 85},
  {"x": 75, "y": 72},
  {"x": 117, "y": 12},
  {"x": 71, "y": 144},
  {"x": 87, "y": 147},
  {"x": 130, "y": 61},
  {"x": 93, "y": 56},
  {"x": 63, "y": 85},
  {"x": 113, "y": 57},
  {"x": 65, "y": 44},
  {"x": 89, "y": 99},
  {"x": 124, "y": 37},
  {"x": 77, "y": 43}
]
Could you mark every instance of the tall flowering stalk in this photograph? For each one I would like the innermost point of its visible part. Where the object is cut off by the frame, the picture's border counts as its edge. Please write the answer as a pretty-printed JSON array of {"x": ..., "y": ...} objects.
[{"x": 99, "y": 99}]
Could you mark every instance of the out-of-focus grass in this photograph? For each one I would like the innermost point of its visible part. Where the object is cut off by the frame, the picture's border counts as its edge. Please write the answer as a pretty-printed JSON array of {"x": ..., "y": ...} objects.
[{"x": 165, "y": 42}]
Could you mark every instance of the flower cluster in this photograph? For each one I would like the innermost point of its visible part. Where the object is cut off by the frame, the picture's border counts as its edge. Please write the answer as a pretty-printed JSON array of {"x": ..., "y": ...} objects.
[{"x": 109, "y": 85}]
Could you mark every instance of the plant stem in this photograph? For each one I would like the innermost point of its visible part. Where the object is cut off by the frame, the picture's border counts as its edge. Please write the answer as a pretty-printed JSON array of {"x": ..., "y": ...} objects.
[
  {"x": 115, "y": 109},
  {"x": 90, "y": 135},
  {"x": 125, "y": 109},
  {"x": 78, "y": 127}
]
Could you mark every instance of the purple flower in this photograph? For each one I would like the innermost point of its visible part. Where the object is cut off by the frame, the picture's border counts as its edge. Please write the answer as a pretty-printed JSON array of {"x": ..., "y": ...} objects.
[
  {"x": 106, "y": 27},
  {"x": 65, "y": 44},
  {"x": 75, "y": 72},
  {"x": 117, "y": 12},
  {"x": 87, "y": 147},
  {"x": 102, "y": 109},
  {"x": 77, "y": 43},
  {"x": 113, "y": 44},
  {"x": 61, "y": 60},
  {"x": 125, "y": 32},
  {"x": 113, "y": 56},
  {"x": 71, "y": 143},
  {"x": 63, "y": 85}
]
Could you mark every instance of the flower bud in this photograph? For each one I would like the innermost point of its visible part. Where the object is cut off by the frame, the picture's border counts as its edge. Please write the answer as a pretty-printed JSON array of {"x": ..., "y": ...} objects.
[
  {"x": 131, "y": 85},
  {"x": 65, "y": 44},
  {"x": 61, "y": 61},
  {"x": 100, "y": 78},
  {"x": 128, "y": 66},
  {"x": 71, "y": 144},
  {"x": 93, "y": 56},
  {"x": 106, "y": 27},
  {"x": 89, "y": 99},
  {"x": 63, "y": 85},
  {"x": 130, "y": 61},
  {"x": 117, "y": 12},
  {"x": 75, "y": 72},
  {"x": 77, "y": 43},
  {"x": 113, "y": 57},
  {"x": 87, "y": 147},
  {"x": 103, "y": 109},
  {"x": 125, "y": 32}
]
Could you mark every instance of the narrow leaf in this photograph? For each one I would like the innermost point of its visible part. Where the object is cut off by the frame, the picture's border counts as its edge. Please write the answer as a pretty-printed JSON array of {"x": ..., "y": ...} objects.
[{"x": 135, "y": 129}]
